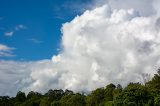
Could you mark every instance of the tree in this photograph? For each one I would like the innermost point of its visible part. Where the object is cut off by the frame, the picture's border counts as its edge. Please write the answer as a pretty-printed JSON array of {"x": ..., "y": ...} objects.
[
  {"x": 134, "y": 94},
  {"x": 4, "y": 100},
  {"x": 44, "y": 102},
  {"x": 56, "y": 103},
  {"x": 96, "y": 98},
  {"x": 31, "y": 102},
  {"x": 154, "y": 88},
  {"x": 109, "y": 92},
  {"x": 33, "y": 94},
  {"x": 77, "y": 100},
  {"x": 64, "y": 100},
  {"x": 117, "y": 91},
  {"x": 154, "y": 84},
  {"x": 54, "y": 94},
  {"x": 68, "y": 92},
  {"x": 33, "y": 99},
  {"x": 20, "y": 97}
]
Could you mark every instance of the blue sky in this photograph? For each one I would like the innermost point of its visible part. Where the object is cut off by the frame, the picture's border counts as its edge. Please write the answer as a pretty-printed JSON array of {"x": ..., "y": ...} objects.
[{"x": 32, "y": 27}]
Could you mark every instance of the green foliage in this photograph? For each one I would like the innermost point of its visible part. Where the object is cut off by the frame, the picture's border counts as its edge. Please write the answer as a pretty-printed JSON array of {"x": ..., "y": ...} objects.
[
  {"x": 64, "y": 100},
  {"x": 118, "y": 102},
  {"x": 34, "y": 95},
  {"x": 76, "y": 100},
  {"x": 20, "y": 97},
  {"x": 109, "y": 92},
  {"x": 56, "y": 103},
  {"x": 109, "y": 103},
  {"x": 4, "y": 100},
  {"x": 117, "y": 91},
  {"x": 134, "y": 93},
  {"x": 96, "y": 98},
  {"x": 31, "y": 102},
  {"x": 68, "y": 92},
  {"x": 154, "y": 84},
  {"x": 44, "y": 102},
  {"x": 54, "y": 95}
]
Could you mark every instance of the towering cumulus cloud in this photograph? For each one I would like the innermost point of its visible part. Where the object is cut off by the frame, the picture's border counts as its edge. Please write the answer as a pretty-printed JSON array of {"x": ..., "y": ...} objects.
[
  {"x": 105, "y": 45},
  {"x": 116, "y": 42}
]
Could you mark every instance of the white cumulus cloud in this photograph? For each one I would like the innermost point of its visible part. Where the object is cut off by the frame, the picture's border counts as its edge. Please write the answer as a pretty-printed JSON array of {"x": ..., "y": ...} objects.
[{"x": 104, "y": 45}]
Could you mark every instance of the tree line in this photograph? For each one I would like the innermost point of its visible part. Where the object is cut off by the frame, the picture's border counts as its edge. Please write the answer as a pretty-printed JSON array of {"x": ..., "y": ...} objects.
[{"x": 134, "y": 94}]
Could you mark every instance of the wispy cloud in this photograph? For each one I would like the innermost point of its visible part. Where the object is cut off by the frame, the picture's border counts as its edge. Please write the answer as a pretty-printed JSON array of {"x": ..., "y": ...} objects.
[
  {"x": 33, "y": 40},
  {"x": 60, "y": 17},
  {"x": 14, "y": 30},
  {"x": 6, "y": 51},
  {"x": 19, "y": 27},
  {"x": 9, "y": 34}
]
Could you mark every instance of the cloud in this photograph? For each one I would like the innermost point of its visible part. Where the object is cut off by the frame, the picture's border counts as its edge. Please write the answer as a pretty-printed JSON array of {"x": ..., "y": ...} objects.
[
  {"x": 105, "y": 45},
  {"x": 9, "y": 33},
  {"x": 14, "y": 30},
  {"x": 35, "y": 40},
  {"x": 19, "y": 27},
  {"x": 16, "y": 76},
  {"x": 145, "y": 7},
  {"x": 111, "y": 43},
  {"x": 6, "y": 51}
]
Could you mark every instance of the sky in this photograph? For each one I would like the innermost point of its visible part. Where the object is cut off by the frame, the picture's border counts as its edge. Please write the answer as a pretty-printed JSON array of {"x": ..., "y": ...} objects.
[
  {"x": 77, "y": 44},
  {"x": 32, "y": 27}
]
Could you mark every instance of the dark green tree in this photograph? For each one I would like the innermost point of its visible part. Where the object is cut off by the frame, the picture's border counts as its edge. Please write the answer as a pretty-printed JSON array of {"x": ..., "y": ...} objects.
[
  {"x": 109, "y": 90},
  {"x": 20, "y": 97},
  {"x": 77, "y": 100},
  {"x": 96, "y": 98},
  {"x": 54, "y": 95},
  {"x": 134, "y": 94},
  {"x": 34, "y": 95},
  {"x": 68, "y": 92},
  {"x": 56, "y": 103},
  {"x": 64, "y": 100},
  {"x": 154, "y": 88},
  {"x": 44, "y": 102},
  {"x": 4, "y": 100}
]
